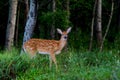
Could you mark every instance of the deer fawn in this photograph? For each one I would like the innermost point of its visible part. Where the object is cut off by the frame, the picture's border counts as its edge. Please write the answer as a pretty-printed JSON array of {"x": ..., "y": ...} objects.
[{"x": 50, "y": 47}]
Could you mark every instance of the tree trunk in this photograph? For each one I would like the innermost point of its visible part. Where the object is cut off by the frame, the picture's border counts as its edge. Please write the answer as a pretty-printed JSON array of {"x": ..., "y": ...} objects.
[
  {"x": 31, "y": 21},
  {"x": 68, "y": 10},
  {"x": 26, "y": 8},
  {"x": 108, "y": 25},
  {"x": 92, "y": 26},
  {"x": 118, "y": 15},
  {"x": 53, "y": 24},
  {"x": 99, "y": 22},
  {"x": 17, "y": 25},
  {"x": 10, "y": 31}
]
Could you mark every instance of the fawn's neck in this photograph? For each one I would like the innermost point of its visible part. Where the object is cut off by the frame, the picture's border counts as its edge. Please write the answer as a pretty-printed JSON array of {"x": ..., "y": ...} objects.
[{"x": 62, "y": 43}]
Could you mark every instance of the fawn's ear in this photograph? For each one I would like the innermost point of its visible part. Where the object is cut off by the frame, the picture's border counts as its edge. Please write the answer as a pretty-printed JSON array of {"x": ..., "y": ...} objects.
[
  {"x": 59, "y": 31},
  {"x": 69, "y": 29}
]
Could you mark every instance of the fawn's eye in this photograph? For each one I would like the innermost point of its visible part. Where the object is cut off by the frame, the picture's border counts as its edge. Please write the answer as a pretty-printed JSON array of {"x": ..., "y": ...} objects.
[{"x": 65, "y": 37}]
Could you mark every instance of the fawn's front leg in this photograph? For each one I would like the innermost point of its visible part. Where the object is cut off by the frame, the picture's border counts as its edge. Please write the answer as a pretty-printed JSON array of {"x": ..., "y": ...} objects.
[{"x": 53, "y": 58}]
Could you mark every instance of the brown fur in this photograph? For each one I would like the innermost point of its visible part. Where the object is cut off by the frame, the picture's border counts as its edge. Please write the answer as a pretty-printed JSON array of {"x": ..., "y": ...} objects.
[{"x": 50, "y": 47}]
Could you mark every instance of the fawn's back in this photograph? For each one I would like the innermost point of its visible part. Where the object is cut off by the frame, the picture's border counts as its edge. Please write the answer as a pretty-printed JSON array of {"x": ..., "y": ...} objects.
[{"x": 41, "y": 46}]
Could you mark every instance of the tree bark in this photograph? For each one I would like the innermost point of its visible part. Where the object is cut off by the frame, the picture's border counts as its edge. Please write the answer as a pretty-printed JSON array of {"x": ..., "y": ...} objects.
[
  {"x": 68, "y": 10},
  {"x": 17, "y": 25},
  {"x": 10, "y": 31},
  {"x": 92, "y": 25},
  {"x": 26, "y": 8},
  {"x": 108, "y": 25},
  {"x": 99, "y": 22},
  {"x": 118, "y": 3},
  {"x": 53, "y": 24},
  {"x": 31, "y": 21}
]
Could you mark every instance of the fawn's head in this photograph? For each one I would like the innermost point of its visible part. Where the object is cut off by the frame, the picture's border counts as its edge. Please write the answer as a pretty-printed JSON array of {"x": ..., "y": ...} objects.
[{"x": 64, "y": 34}]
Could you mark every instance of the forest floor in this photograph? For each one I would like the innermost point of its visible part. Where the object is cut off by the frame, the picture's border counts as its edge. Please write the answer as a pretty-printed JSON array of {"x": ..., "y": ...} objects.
[{"x": 72, "y": 65}]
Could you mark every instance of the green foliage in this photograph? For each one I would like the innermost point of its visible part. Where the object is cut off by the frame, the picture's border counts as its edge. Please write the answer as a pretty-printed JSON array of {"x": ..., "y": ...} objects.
[
  {"x": 117, "y": 41},
  {"x": 11, "y": 64},
  {"x": 80, "y": 18},
  {"x": 61, "y": 19},
  {"x": 78, "y": 40},
  {"x": 72, "y": 65},
  {"x": 58, "y": 18}
]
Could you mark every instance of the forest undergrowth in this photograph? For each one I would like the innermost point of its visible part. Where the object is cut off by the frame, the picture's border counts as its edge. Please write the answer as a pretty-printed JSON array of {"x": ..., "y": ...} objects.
[{"x": 72, "y": 65}]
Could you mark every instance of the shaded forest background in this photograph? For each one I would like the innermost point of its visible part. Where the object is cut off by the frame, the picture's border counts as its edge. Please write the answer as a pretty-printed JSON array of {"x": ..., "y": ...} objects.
[
  {"x": 80, "y": 17},
  {"x": 90, "y": 20}
]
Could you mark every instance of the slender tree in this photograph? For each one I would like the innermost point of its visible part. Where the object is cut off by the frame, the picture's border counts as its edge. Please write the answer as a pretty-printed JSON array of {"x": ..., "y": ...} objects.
[
  {"x": 68, "y": 10},
  {"x": 10, "y": 31},
  {"x": 99, "y": 22},
  {"x": 53, "y": 24},
  {"x": 108, "y": 25},
  {"x": 31, "y": 20},
  {"x": 92, "y": 25},
  {"x": 118, "y": 3},
  {"x": 17, "y": 24}
]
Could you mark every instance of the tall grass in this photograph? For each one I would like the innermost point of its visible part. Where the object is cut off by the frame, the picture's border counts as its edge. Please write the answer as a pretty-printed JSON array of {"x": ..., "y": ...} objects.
[{"x": 72, "y": 65}]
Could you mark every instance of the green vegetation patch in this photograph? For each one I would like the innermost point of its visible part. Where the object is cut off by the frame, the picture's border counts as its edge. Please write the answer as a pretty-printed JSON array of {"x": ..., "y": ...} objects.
[{"x": 72, "y": 65}]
